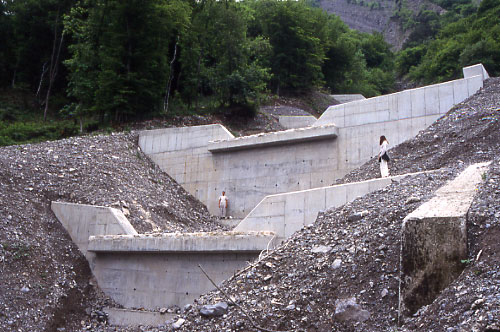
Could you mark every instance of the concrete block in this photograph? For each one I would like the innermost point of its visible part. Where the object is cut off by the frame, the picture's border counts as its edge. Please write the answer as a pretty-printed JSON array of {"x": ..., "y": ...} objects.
[
  {"x": 129, "y": 317},
  {"x": 474, "y": 84},
  {"x": 460, "y": 91},
  {"x": 417, "y": 102},
  {"x": 446, "y": 97},
  {"x": 434, "y": 240},
  {"x": 404, "y": 105},
  {"x": 431, "y": 100},
  {"x": 475, "y": 70}
]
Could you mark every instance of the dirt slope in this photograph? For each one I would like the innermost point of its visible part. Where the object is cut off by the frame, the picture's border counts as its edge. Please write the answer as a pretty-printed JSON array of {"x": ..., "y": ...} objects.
[{"x": 44, "y": 280}]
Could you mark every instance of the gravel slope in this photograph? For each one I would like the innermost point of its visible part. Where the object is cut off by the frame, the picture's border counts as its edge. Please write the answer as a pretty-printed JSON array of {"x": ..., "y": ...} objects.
[
  {"x": 44, "y": 280},
  {"x": 296, "y": 287},
  {"x": 45, "y": 284}
]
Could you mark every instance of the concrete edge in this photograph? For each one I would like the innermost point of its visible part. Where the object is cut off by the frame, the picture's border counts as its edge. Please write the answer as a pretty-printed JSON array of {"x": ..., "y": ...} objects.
[
  {"x": 129, "y": 317},
  {"x": 184, "y": 242},
  {"x": 276, "y": 138}
]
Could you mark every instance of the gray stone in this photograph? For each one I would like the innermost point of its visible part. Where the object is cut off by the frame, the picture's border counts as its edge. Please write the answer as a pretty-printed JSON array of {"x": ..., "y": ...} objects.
[
  {"x": 321, "y": 249},
  {"x": 336, "y": 263},
  {"x": 349, "y": 310},
  {"x": 178, "y": 324},
  {"x": 214, "y": 310},
  {"x": 357, "y": 216},
  {"x": 412, "y": 199}
]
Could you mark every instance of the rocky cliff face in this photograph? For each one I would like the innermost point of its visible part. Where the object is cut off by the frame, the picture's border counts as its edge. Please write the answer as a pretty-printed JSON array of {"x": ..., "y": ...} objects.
[{"x": 375, "y": 16}]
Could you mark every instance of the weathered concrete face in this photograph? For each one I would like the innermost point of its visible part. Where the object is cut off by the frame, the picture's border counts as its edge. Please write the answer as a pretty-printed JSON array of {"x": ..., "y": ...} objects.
[
  {"x": 159, "y": 271},
  {"x": 248, "y": 168},
  {"x": 475, "y": 70},
  {"x": 346, "y": 136},
  {"x": 82, "y": 221},
  {"x": 284, "y": 214},
  {"x": 434, "y": 241}
]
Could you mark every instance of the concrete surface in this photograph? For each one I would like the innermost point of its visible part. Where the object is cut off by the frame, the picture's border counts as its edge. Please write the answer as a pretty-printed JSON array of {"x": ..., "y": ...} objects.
[
  {"x": 155, "y": 272},
  {"x": 127, "y": 317},
  {"x": 298, "y": 121},
  {"x": 347, "y": 98},
  {"x": 434, "y": 240},
  {"x": 216, "y": 242},
  {"x": 278, "y": 138},
  {"x": 82, "y": 221},
  {"x": 475, "y": 70},
  {"x": 253, "y": 167},
  {"x": 247, "y": 169},
  {"x": 284, "y": 214}
]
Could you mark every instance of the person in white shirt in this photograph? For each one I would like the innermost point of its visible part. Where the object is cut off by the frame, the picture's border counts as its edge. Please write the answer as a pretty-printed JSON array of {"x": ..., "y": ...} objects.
[
  {"x": 223, "y": 204},
  {"x": 383, "y": 158}
]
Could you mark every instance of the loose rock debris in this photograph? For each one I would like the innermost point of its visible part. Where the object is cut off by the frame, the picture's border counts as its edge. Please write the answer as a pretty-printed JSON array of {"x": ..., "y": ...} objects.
[{"x": 296, "y": 287}]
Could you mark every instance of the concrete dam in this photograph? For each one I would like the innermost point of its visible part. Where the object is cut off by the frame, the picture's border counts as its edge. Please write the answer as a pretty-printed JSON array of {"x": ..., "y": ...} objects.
[{"x": 276, "y": 183}]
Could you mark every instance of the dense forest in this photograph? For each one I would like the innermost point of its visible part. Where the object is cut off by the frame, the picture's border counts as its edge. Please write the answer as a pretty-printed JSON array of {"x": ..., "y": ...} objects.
[{"x": 67, "y": 65}]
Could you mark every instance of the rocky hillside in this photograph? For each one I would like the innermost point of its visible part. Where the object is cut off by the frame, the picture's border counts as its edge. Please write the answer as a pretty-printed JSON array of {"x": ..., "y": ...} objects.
[
  {"x": 300, "y": 286},
  {"x": 45, "y": 283},
  {"x": 375, "y": 16}
]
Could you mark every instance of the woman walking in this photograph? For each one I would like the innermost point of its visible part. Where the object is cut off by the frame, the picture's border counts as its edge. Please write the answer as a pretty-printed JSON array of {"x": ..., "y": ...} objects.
[{"x": 383, "y": 157}]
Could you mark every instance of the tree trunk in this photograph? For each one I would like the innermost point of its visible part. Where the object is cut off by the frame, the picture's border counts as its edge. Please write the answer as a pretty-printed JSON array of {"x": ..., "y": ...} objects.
[
  {"x": 44, "y": 71},
  {"x": 54, "y": 59},
  {"x": 170, "y": 77}
]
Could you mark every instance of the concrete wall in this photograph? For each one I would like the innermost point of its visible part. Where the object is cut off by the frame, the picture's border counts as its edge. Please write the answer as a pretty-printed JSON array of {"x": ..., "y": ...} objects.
[
  {"x": 82, "y": 221},
  {"x": 475, "y": 70},
  {"x": 347, "y": 98},
  {"x": 155, "y": 270},
  {"x": 298, "y": 121},
  {"x": 158, "y": 271},
  {"x": 434, "y": 241},
  {"x": 284, "y": 214},
  {"x": 398, "y": 116},
  {"x": 250, "y": 168},
  {"x": 246, "y": 168}
]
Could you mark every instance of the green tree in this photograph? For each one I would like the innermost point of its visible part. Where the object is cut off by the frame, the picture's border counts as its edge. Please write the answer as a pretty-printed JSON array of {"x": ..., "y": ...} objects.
[
  {"x": 120, "y": 65},
  {"x": 297, "y": 33}
]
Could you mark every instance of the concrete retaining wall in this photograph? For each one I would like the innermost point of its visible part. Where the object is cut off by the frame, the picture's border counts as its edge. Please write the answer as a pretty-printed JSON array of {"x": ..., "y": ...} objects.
[
  {"x": 434, "y": 241},
  {"x": 284, "y": 214},
  {"x": 82, "y": 221},
  {"x": 156, "y": 271},
  {"x": 250, "y": 168}
]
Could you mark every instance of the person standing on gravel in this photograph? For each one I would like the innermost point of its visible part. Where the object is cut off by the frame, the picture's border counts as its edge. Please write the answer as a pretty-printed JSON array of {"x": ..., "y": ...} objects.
[
  {"x": 383, "y": 157},
  {"x": 223, "y": 204}
]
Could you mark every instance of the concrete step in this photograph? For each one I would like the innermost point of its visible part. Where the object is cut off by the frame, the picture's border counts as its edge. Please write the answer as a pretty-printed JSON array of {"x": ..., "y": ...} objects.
[{"x": 130, "y": 317}]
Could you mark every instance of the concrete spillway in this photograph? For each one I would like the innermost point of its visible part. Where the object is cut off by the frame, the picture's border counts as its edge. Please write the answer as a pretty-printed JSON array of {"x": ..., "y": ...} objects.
[{"x": 155, "y": 271}]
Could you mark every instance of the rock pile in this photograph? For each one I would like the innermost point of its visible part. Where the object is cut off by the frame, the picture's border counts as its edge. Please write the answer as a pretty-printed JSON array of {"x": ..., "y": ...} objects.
[
  {"x": 340, "y": 274},
  {"x": 45, "y": 282}
]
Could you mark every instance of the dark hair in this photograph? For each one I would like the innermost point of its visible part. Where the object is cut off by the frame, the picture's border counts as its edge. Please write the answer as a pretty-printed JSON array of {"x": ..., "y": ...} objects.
[{"x": 382, "y": 139}]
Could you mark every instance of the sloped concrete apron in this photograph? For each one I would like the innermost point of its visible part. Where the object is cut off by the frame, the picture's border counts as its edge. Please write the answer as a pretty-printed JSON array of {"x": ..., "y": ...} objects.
[{"x": 434, "y": 241}]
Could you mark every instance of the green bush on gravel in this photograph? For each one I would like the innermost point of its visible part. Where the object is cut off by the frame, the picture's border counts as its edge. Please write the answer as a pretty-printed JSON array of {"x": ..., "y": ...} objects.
[{"x": 33, "y": 132}]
